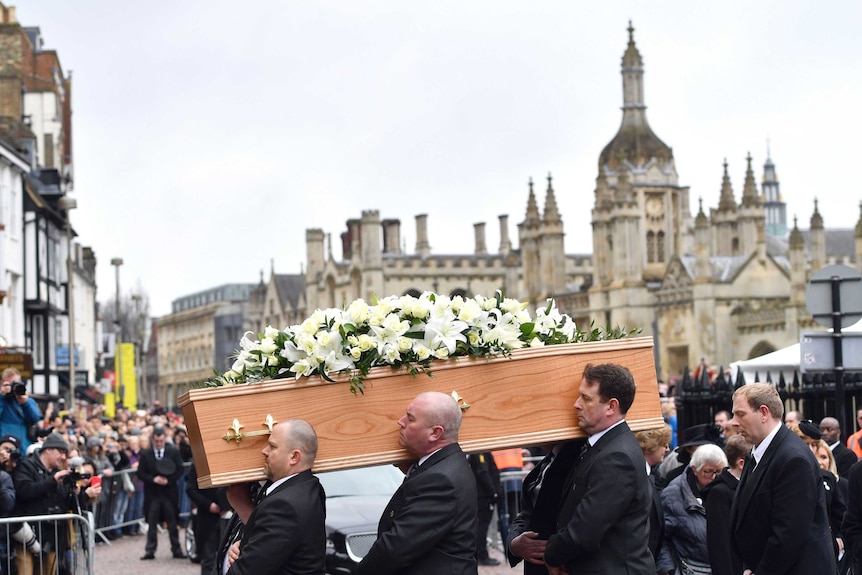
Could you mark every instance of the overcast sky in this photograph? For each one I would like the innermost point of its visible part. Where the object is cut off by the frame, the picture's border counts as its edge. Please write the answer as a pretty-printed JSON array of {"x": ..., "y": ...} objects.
[{"x": 208, "y": 135}]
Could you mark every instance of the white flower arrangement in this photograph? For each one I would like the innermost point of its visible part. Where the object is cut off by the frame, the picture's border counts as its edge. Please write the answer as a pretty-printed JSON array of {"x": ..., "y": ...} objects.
[{"x": 400, "y": 331}]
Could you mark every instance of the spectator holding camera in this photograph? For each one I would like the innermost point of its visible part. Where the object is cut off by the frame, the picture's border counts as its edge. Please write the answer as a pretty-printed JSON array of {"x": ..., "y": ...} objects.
[
  {"x": 42, "y": 487},
  {"x": 18, "y": 411}
]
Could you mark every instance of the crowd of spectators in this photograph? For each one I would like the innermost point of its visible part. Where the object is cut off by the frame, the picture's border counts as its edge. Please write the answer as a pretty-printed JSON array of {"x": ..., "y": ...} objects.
[{"x": 56, "y": 461}]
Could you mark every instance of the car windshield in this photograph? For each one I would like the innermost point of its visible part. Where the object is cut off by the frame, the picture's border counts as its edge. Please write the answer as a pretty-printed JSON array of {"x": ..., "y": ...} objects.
[{"x": 378, "y": 480}]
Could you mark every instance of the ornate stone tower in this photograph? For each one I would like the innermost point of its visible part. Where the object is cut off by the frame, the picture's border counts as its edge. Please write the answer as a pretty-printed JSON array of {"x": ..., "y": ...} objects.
[
  {"x": 637, "y": 199},
  {"x": 641, "y": 217},
  {"x": 776, "y": 209}
]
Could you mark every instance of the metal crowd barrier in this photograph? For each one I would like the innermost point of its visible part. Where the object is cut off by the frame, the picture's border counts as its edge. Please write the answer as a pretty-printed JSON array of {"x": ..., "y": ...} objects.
[
  {"x": 67, "y": 544},
  {"x": 119, "y": 510}
]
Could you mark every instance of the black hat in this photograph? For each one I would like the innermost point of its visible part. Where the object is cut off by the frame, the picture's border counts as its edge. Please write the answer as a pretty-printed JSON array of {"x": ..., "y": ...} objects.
[
  {"x": 810, "y": 429},
  {"x": 11, "y": 439},
  {"x": 701, "y": 435},
  {"x": 55, "y": 441}
]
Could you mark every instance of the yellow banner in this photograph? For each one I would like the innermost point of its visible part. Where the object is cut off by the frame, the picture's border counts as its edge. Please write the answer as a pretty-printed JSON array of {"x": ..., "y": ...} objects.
[{"x": 126, "y": 386}]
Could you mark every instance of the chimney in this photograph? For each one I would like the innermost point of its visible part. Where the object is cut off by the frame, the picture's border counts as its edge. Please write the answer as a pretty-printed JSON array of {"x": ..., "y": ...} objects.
[
  {"x": 391, "y": 236},
  {"x": 505, "y": 244},
  {"x": 479, "y": 230},
  {"x": 422, "y": 246}
]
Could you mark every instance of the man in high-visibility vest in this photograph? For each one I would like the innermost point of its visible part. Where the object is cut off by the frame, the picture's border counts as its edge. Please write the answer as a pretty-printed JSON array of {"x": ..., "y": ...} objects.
[{"x": 854, "y": 442}]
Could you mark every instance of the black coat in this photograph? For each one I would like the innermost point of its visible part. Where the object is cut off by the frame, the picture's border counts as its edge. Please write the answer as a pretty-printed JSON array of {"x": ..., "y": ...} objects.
[
  {"x": 539, "y": 512},
  {"x": 205, "y": 522},
  {"x": 718, "y": 498},
  {"x": 285, "y": 533},
  {"x": 603, "y": 524},
  {"x": 38, "y": 493},
  {"x": 851, "y": 527},
  {"x": 429, "y": 525},
  {"x": 779, "y": 516},
  {"x": 171, "y": 467},
  {"x": 844, "y": 459}
]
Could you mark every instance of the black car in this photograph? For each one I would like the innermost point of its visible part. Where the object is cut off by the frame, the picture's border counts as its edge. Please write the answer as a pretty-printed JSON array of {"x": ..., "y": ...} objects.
[{"x": 355, "y": 499}]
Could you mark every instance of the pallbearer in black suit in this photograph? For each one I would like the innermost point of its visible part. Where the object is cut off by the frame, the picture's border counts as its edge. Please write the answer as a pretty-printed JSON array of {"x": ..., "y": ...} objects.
[
  {"x": 429, "y": 526},
  {"x": 541, "y": 496},
  {"x": 284, "y": 533},
  {"x": 603, "y": 526},
  {"x": 778, "y": 514}
]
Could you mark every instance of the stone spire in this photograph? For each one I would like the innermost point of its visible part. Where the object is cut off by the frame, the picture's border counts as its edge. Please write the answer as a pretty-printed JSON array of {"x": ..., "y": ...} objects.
[
  {"x": 750, "y": 197},
  {"x": 552, "y": 214},
  {"x": 726, "y": 201},
  {"x": 797, "y": 241},
  {"x": 816, "y": 218},
  {"x": 532, "y": 217},
  {"x": 700, "y": 221},
  {"x": 817, "y": 240},
  {"x": 635, "y": 138},
  {"x": 798, "y": 266}
]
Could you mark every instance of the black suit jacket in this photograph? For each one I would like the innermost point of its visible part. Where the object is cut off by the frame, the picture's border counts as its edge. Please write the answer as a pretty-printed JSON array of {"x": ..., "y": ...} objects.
[
  {"x": 171, "y": 467},
  {"x": 285, "y": 533},
  {"x": 851, "y": 527},
  {"x": 603, "y": 526},
  {"x": 844, "y": 459},
  {"x": 718, "y": 498},
  {"x": 778, "y": 514},
  {"x": 539, "y": 512},
  {"x": 429, "y": 526}
]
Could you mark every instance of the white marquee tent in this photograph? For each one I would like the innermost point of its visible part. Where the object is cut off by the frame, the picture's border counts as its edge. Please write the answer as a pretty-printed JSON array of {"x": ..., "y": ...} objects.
[{"x": 785, "y": 360}]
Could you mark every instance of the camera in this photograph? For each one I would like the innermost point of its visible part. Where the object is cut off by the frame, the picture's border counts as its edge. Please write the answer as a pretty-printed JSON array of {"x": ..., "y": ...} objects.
[
  {"x": 19, "y": 388},
  {"x": 73, "y": 478},
  {"x": 14, "y": 454}
]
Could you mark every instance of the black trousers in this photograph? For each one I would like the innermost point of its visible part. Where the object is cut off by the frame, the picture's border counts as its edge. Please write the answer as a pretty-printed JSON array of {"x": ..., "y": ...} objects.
[
  {"x": 162, "y": 509},
  {"x": 483, "y": 521}
]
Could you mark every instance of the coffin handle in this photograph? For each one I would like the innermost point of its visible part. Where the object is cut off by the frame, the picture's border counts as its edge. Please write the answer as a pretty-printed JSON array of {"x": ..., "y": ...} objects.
[
  {"x": 235, "y": 434},
  {"x": 460, "y": 400}
]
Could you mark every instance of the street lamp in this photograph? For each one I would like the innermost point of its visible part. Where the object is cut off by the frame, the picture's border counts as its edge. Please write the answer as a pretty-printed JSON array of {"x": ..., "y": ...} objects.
[
  {"x": 68, "y": 204},
  {"x": 118, "y": 356}
]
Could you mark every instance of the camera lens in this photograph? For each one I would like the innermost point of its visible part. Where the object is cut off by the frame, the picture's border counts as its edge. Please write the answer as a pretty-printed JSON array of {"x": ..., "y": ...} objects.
[{"x": 19, "y": 388}]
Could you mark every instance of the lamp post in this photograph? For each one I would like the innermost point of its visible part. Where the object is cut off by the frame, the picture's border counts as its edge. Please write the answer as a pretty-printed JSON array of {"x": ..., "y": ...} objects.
[
  {"x": 68, "y": 204},
  {"x": 118, "y": 356}
]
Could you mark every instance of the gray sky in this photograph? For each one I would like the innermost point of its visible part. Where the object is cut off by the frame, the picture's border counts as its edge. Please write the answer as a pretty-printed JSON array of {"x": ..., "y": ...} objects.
[{"x": 208, "y": 135}]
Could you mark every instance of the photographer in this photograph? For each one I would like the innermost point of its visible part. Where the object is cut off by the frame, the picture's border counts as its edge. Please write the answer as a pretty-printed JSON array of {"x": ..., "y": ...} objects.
[
  {"x": 83, "y": 476},
  {"x": 10, "y": 455},
  {"x": 41, "y": 488},
  {"x": 18, "y": 411}
]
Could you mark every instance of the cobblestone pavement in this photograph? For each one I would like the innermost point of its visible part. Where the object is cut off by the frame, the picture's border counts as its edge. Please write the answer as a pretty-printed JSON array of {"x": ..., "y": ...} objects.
[{"x": 123, "y": 556}]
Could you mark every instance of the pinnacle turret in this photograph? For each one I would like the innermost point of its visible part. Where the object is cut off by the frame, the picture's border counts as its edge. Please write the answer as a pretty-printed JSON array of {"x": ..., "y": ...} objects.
[
  {"x": 750, "y": 197},
  {"x": 552, "y": 214},
  {"x": 816, "y": 218},
  {"x": 726, "y": 201}
]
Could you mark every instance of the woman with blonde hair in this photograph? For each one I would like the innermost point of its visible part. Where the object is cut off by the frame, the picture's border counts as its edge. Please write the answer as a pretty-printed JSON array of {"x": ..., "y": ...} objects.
[{"x": 654, "y": 444}]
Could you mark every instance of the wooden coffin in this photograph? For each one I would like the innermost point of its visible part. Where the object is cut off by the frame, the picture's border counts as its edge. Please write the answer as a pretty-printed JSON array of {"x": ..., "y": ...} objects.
[{"x": 521, "y": 400}]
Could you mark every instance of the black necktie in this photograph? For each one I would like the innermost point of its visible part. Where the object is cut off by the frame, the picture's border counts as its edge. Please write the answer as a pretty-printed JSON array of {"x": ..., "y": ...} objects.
[
  {"x": 158, "y": 454},
  {"x": 584, "y": 450},
  {"x": 412, "y": 470}
]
